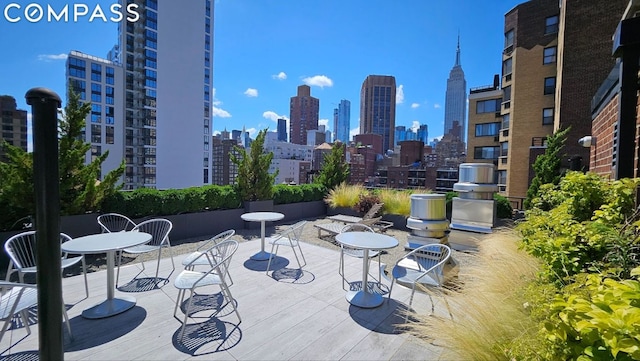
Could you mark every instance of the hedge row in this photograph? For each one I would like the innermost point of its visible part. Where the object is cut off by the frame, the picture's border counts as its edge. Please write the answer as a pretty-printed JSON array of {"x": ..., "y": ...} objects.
[{"x": 145, "y": 202}]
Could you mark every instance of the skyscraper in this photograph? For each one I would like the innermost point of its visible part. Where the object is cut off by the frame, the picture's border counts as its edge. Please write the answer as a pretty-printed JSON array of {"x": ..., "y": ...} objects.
[
  {"x": 378, "y": 108},
  {"x": 423, "y": 133},
  {"x": 14, "y": 124},
  {"x": 455, "y": 106},
  {"x": 100, "y": 82},
  {"x": 342, "y": 121},
  {"x": 304, "y": 112},
  {"x": 168, "y": 94},
  {"x": 282, "y": 130}
]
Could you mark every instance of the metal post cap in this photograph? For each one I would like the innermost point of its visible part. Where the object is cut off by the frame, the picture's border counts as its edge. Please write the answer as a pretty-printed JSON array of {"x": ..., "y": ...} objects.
[{"x": 42, "y": 94}]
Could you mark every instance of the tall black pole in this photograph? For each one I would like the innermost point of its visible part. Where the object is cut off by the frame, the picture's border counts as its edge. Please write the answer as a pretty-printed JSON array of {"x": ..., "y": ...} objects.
[{"x": 44, "y": 110}]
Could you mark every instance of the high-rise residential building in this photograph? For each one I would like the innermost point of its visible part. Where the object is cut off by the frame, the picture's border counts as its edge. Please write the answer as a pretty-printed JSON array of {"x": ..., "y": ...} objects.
[
  {"x": 378, "y": 108},
  {"x": 223, "y": 170},
  {"x": 455, "y": 106},
  {"x": 550, "y": 73},
  {"x": 225, "y": 134},
  {"x": 100, "y": 82},
  {"x": 342, "y": 121},
  {"x": 168, "y": 95},
  {"x": 485, "y": 122},
  {"x": 423, "y": 133},
  {"x": 282, "y": 130},
  {"x": 304, "y": 112},
  {"x": 14, "y": 124},
  {"x": 236, "y": 135},
  {"x": 400, "y": 134}
]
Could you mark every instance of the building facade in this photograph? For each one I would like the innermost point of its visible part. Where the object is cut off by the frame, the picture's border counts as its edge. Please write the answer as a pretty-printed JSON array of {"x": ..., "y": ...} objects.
[
  {"x": 455, "y": 106},
  {"x": 223, "y": 170},
  {"x": 100, "y": 82},
  {"x": 14, "y": 124},
  {"x": 545, "y": 44},
  {"x": 378, "y": 108},
  {"x": 304, "y": 111},
  {"x": 168, "y": 95},
  {"x": 342, "y": 121}
]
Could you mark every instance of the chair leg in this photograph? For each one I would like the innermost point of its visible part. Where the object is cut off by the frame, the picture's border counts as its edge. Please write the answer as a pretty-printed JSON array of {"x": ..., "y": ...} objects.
[
  {"x": 271, "y": 254},
  {"x": 393, "y": 280},
  {"x": 175, "y": 309},
  {"x": 9, "y": 271},
  {"x": 293, "y": 248},
  {"x": 24, "y": 315},
  {"x": 66, "y": 320},
  {"x": 186, "y": 315},
  {"x": 84, "y": 271},
  {"x": 158, "y": 264},
  {"x": 231, "y": 300}
]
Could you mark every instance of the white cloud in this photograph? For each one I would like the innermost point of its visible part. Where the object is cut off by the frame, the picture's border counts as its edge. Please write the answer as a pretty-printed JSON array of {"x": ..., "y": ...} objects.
[
  {"x": 216, "y": 132},
  {"x": 436, "y": 106},
  {"x": 251, "y": 92},
  {"x": 269, "y": 114},
  {"x": 353, "y": 132},
  {"x": 280, "y": 76},
  {"x": 252, "y": 132},
  {"x": 52, "y": 57},
  {"x": 415, "y": 105},
  {"x": 324, "y": 122},
  {"x": 215, "y": 111},
  {"x": 415, "y": 125},
  {"x": 400, "y": 94},
  {"x": 318, "y": 80}
]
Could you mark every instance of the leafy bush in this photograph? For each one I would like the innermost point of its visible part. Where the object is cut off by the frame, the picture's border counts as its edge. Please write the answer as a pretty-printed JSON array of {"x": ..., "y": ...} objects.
[
  {"x": 503, "y": 206},
  {"x": 366, "y": 200}
]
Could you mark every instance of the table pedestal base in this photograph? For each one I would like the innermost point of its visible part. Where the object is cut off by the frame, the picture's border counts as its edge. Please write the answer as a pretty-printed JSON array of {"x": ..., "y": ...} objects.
[
  {"x": 109, "y": 307},
  {"x": 261, "y": 256},
  {"x": 364, "y": 299}
]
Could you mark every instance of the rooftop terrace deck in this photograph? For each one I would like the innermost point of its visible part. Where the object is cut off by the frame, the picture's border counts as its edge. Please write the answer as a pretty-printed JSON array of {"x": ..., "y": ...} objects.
[{"x": 284, "y": 316}]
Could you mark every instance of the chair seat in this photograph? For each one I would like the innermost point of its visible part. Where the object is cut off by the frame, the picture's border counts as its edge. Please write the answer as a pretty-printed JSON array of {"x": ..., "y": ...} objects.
[
  {"x": 70, "y": 261},
  {"x": 405, "y": 275},
  {"x": 359, "y": 253},
  {"x": 193, "y": 257},
  {"x": 281, "y": 241},
  {"x": 187, "y": 279},
  {"x": 28, "y": 299},
  {"x": 143, "y": 248}
]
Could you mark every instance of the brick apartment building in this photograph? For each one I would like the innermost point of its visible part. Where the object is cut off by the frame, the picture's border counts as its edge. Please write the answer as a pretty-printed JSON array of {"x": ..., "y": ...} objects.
[{"x": 14, "y": 124}]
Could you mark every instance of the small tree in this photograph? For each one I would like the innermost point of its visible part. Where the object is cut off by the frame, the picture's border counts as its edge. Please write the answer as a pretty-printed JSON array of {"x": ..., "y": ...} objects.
[
  {"x": 335, "y": 170},
  {"x": 547, "y": 165},
  {"x": 80, "y": 189},
  {"x": 254, "y": 183}
]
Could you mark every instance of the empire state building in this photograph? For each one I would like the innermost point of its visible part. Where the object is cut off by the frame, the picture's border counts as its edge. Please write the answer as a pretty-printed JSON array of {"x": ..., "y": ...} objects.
[{"x": 455, "y": 107}]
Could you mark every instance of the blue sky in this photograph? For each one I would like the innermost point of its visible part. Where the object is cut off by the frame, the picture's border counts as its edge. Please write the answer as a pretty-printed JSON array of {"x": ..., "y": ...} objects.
[{"x": 264, "y": 49}]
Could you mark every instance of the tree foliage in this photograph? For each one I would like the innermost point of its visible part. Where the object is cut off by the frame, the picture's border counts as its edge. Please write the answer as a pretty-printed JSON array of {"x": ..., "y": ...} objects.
[
  {"x": 335, "y": 169},
  {"x": 547, "y": 165},
  {"x": 254, "y": 183},
  {"x": 80, "y": 189}
]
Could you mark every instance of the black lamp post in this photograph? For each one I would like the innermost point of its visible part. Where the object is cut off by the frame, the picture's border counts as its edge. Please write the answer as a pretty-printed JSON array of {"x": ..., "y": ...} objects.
[{"x": 44, "y": 109}]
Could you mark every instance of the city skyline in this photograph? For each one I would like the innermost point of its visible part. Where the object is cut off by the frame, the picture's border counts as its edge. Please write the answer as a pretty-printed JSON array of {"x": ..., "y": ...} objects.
[{"x": 254, "y": 77}]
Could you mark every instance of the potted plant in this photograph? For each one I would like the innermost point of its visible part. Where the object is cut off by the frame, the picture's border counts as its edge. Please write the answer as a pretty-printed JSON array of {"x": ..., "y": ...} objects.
[{"x": 254, "y": 184}]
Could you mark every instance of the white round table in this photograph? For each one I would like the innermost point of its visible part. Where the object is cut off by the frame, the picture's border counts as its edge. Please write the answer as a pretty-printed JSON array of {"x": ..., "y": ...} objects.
[
  {"x": 262, "y": 217},
  {"x": 365, "y": 241},
  {"x": 107, "y": 243}
]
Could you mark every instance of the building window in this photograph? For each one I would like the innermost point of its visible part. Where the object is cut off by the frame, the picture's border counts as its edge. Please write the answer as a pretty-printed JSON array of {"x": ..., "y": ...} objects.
[
  {"x": 507, "y": 66},
  {"x": 550, "y": 85},
  {"x": 551, "y": 25},
  {"x": 96, "y": 133},
  {"x": 109, "y": 135},
  {"x": 487, "y": 129},
  {"x": 486, "y": 152},
  {"x": 505, "y": 121},
  {"x": 504, "y": 149},
  {"x": 488, "y": 106},
  {"x": 506, "y": 94},
  {"x": 549, "y": 55},
  {"x": 547, "y": 116},
  {"x": 508, "y": 40}
]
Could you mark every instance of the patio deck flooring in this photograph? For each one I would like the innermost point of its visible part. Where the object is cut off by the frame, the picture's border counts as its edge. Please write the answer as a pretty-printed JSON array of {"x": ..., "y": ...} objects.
[{"x": 285, "y": 316}]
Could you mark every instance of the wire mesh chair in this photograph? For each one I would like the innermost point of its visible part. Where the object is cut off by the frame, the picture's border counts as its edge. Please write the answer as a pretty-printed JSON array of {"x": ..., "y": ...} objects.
[
  {"x": 424, "y": 267},
  {"x": 194, "y": 259},
  {"x": 18, "y": 298},
  {"x": 357, "y": 253},
  {"x": 114, "y": 222},
  {"x": 289, "y": 237},
  {"x": 215, "y": 276},
  {"x": 21, "y": 249},
  {"x": 159, "y": 229}
]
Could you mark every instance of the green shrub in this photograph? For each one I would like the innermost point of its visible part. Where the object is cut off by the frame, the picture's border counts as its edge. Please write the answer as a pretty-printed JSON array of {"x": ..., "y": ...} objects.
[
  {"x": 503, "y": 206},
  {"x": 285, "y": 194}
]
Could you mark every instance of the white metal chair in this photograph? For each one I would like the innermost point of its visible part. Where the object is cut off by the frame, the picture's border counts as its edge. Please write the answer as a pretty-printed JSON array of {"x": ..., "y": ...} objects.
[
  {"x": 289, "y": 237},
  {"x": 21, "y": 249},
  {"x": 424, "y": 267},
  {"x": 194, "y": 259},
  {"x": 114, "y": 222},
  {"x": 357, "y": 253},
  {"x": 18, "y": 298},
  {"x": 159, "y": 229},
  {"x": 214, "y": 276}
]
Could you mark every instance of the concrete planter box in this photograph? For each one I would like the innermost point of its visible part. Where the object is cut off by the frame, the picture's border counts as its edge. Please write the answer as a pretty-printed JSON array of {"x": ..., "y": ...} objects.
[
  {"x": 258, "y": 206},
  {"x": 303, "y": 210},
  {"x": 342, "y": 210},
  {"x": 399, "y": 221}
]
